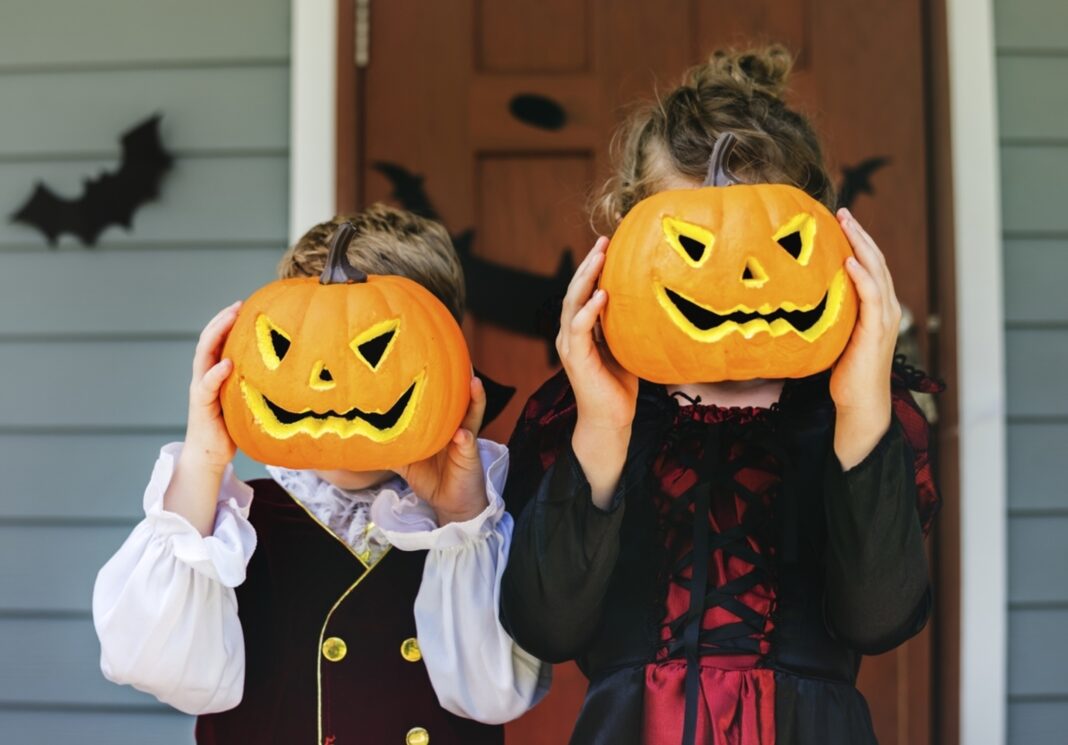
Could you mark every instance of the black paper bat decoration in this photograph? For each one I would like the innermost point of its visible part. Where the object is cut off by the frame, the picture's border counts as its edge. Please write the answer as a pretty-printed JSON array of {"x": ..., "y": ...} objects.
[
  {"x": 519, "y": 301},
  {"x": 497, "y": 397},
  {"x": 109, "y": 199},
  {"x": 856, "y": 180},
  {"x": 523, "y": 302}
]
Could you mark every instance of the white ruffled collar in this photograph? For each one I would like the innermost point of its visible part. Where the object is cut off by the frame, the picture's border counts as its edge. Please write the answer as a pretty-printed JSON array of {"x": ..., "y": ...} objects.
[{"x": 346, "y": 514}]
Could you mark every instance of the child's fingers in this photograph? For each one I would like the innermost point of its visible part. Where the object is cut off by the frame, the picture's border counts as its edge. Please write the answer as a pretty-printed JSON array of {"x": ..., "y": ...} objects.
[
  {"x": 871, "y": 301},
  {"x": 211, "y": 339},
  {"x": 476, "y": 409},
  {"x": 208, "y": 386},
  {"x": 578, "y": 293},
  {"x": 599, "y": 246},
  {"x": 581, "y": 286},
  {"x": 465, "y": 449},
  {"x": 865, "y": 247},
  {"x": 580, "y": 330},
  {"x": 578, "y": 288},
  {"x": 871, "y": 258},
  {"x": 862, "y": 244}
]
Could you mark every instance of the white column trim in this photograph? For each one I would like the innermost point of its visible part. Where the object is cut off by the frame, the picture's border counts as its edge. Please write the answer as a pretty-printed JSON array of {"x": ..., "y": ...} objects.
[
  {"x": 312, "y": 114},
  {"x": 981, "y": 371}
]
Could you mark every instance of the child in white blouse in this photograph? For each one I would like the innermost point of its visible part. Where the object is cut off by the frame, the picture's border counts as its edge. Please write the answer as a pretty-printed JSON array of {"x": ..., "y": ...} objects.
[{"x": 174, "y": 620}]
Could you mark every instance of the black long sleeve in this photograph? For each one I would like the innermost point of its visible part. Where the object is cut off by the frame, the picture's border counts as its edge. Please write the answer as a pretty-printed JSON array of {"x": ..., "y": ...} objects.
[
  {"x": 878, "y": 589},
  {"x": 563, "y": 553}
]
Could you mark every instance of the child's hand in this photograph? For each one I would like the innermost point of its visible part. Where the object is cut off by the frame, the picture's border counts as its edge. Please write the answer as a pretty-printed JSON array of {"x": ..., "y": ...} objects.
[
  {"x": 605, "y": 394},
  {"x": 860, "y": 383},
  {"x": 452, "y": 481},
  {"x": 208, "y": 448},
  {"x": 206, "y": 438}
]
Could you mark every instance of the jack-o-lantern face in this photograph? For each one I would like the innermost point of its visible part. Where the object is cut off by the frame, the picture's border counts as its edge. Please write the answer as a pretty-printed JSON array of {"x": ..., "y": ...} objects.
[
  {"x": 728, "y": 283},
  {"x": 360, "y": 376}
]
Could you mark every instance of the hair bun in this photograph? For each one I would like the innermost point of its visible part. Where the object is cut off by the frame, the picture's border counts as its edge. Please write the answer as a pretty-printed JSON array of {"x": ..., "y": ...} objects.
[{"x": 757, "y": 70}]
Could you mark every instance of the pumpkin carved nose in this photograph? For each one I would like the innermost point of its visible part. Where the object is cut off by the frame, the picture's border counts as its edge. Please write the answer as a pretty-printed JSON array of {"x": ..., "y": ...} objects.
[
  {"x": 753, "y": 275},
  {"x": 321, "y": 379}
]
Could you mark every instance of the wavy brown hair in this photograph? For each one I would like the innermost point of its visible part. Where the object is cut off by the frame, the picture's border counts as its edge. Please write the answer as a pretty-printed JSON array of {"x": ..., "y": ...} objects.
[
  {"x": 734, "y": 91},
  {"x": 387, "y": 241}
]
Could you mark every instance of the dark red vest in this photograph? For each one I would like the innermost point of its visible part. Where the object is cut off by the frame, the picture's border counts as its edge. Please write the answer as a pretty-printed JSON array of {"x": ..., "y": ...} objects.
[{"x": 323, "y": 644}]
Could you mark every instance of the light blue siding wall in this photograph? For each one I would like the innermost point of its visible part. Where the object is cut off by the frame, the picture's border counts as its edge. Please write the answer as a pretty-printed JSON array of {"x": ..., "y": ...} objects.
[
  {"x": 95, "y": 344},
  {"x": 1032, "y": 66}
]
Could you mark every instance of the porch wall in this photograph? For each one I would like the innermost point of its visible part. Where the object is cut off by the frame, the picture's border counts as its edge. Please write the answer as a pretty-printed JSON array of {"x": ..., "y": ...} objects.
[
  {"x": 95, "y": 344},
  {"x": 1032, "y": 65}
]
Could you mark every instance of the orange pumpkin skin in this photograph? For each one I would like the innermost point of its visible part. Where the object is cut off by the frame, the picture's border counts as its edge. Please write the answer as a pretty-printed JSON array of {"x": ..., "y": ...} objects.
[
  {"x": 767, "y": 297},
  {"x": 282, "y": 409}
]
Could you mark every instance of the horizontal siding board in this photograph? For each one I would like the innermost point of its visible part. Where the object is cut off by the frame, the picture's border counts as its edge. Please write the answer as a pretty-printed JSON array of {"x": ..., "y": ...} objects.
[
  {"x": 203, "y": 109},
  {"x": 61, "y": 32},
  {"x": 93, "y": 384},
  {"x": 1035, "y": 272},
  {"x": 65, "y": 562},
  {"x": 1038, "y": 723},
  {"x": 1034, "y": 182},
  {"x": 154, "y": 292},
  {"x": 1036, "y": 467},
  {"x": 1038, "y": 663},
  {"x": 96, "y": 727},
  {"x": 57, "y": 661},
  {"x": 1030, "y": 24},
  {"x": 1038, "y": 559},
  {"x": 202, "y": 199},
  {"x": 1036, "y": 362},
  {"x": 103, "y": 475},
  {"x": 1032, "y": 97}
]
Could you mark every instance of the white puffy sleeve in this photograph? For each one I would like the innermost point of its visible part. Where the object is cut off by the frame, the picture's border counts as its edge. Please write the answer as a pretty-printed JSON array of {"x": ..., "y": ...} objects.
[
  {"x": 476, "y": 669},
  {"x": 164, "y": 605}
]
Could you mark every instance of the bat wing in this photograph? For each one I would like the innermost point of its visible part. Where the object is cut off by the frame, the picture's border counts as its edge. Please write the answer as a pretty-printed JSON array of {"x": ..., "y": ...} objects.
[
  {"x": 871, "y": 165},
  {"x": 50, "y": 213},
  {"x": 408, "y": 189},
  {"x": 856, "y": 179},
  {"x": 112, "y": 198},
  {"x": 498, "y": 396}
]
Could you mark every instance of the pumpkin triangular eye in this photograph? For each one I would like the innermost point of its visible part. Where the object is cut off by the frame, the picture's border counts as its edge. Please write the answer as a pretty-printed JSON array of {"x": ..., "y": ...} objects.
[
  {"x": 373, "y": 345},
  {"x": 693, "y": 247},
  {"x": 791, "y": 243},
  {"x": 272, "y": 341},
  {"x": 797, "y": 237},
  {"x": 280, "y": 344},
  {"x": 373, "y": 350},
  {"x": 692, "y": 242}
]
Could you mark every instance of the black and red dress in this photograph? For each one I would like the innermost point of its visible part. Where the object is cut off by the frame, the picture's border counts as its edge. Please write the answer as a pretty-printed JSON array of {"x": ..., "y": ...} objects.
[{"x": 800, "y": 568}]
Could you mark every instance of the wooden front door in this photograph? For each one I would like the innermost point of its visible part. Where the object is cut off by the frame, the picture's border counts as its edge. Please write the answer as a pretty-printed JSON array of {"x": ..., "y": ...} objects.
[{"x": 495, "y": 115}]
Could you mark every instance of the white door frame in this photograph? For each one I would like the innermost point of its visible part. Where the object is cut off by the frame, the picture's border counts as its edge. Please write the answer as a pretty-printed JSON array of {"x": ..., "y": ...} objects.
[
  {"x": 312, "y": 114},
  {"x": 981, "y": 371}
]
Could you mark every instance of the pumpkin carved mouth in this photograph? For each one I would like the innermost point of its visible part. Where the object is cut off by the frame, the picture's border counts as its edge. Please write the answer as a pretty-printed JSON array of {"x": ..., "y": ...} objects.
[
  {"x": 379, "y": 426},
  {"x": 704, "y": 324}
]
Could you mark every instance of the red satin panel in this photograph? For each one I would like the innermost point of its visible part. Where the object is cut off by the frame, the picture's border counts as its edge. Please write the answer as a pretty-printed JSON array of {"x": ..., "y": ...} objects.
[{"x": 738, "y": 704}]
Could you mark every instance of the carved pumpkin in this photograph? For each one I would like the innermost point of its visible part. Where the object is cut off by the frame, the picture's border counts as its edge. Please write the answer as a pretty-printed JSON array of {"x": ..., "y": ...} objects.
[
  {"x": 728, "y": 283},
  {"x": 345, "y": 371}
]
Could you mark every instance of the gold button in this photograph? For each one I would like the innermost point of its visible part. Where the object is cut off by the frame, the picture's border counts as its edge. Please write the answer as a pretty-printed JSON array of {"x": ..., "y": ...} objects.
[
  {"x": 335, "y": 649},
  {"x": 410, "y": 650},
  {"x": 417, "y": 736}
]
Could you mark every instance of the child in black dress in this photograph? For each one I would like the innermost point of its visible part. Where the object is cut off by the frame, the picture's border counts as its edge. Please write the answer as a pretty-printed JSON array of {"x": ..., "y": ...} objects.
[{"x": 718, "y": 557}]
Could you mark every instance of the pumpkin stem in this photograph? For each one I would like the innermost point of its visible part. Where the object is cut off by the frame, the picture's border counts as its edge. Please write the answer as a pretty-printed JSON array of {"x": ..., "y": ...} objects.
[
  {"x": 718, "y": 174},
  {"x": 338, "y": 270}
]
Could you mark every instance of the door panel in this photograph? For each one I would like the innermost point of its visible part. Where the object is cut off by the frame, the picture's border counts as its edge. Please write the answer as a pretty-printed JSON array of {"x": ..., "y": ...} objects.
[{"x": 437, "y": 100}]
